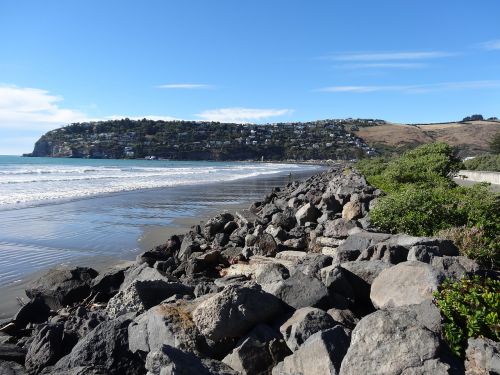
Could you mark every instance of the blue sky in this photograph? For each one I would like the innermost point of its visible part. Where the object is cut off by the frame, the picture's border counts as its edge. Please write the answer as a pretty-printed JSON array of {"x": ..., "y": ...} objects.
[{"x": 245, "y": 61}]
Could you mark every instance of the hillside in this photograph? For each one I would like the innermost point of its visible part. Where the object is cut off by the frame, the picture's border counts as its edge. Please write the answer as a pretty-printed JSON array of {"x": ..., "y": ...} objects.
[
  {"x": 471, "y": 137},
  {"x": 189, "y": 140}
]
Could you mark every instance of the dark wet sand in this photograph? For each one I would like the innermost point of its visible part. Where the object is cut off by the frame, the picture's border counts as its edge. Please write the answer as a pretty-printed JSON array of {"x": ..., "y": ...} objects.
[{"x": 102, "y": 231}]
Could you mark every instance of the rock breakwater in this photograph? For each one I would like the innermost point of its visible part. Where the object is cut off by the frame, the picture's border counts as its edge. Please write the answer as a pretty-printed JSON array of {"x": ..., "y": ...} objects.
[{"x": 299, "y": 283}]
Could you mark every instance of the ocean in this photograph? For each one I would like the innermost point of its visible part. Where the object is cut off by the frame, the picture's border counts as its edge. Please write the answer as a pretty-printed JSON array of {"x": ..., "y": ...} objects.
[{"x": 96, "y": 212}]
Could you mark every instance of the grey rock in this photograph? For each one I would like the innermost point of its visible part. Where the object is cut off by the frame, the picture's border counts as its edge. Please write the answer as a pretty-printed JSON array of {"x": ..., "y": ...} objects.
[
  {"x": 389, "y": 342},
  {"x": 172, "y": 361},
  {"x": 12, "y": 353},
  {"x": 306, "y": 213},
  {"x": 455, "y": 267},
  {"x": 363, "y": 240},
  {"x": 321, "y": 353},
  {"x": 35, "y": 311},
  {"x": 62, "y": 287},
  {"x": 387, "y": 252},
  {"x": 234, "y": 311},
  {"x": 270, "y": 273},
  {"x": 408, "y": 283},
  {"x": 352, "y": 210},
  {"x": 285, "y": 219},
  {"x": 482, "y": 357},
  {"x": 339, "y": 228},
  {"x": 106, "y": 346},
  {"x": 46, "y": 348},
  {"x": 108, "y": 282},
  {"x": 141, "y": 295},
  {"x": 312, "y": 264},
  {"x": 336, "y": 280},
  {"x": 299, "y": 244},
  {"x": 344, "y": 317},
  {"x": 303, "y": 324},
  {"x": 216, "y": 224},
  {"x": 11, "y": 368},
  {"x": 265, "y": 245}
]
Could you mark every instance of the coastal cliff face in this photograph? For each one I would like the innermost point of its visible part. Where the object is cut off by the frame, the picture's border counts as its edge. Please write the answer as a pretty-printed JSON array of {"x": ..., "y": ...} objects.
[
  {"x": 299, "y": 283},
  {"x": 184, "y": 140}
]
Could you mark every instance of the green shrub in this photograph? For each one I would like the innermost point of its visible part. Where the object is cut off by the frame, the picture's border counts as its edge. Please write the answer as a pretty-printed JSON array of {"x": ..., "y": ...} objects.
[
  {"x": 484, "y": 163},
  {"x": 470, "y": 308}
]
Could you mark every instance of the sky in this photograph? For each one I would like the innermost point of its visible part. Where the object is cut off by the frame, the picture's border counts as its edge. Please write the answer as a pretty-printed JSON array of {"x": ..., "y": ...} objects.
[{"x": 244, "y": 61}]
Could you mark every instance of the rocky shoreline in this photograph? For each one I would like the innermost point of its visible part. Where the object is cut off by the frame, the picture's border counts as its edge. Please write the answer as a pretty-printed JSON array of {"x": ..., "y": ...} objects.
[{"x": 299, "y": 283}]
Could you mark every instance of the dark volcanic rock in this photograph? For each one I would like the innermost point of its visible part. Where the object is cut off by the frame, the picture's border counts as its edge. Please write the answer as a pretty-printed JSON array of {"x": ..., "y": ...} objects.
[
  {"x": 46, "y": 348},
  {"x": 11, "y": 352},
  {"x": 35, "y": 311},
  {"x": 11, "y": 368},
  {"x": 62, "y": 287},
  {"x": 106, "y": 346},
  {"x": 301, "y": 290}
]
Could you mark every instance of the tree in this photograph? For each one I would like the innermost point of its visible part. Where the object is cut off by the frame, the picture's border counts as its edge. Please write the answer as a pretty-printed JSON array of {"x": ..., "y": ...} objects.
[{"x": 495, "y": 144}]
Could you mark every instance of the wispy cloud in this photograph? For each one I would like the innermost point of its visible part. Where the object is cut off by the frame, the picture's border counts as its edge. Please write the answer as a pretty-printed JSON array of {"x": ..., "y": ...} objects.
[
  {"x": 383, "y": 65},
  {"x": 241, "y": 115},
  {"x": 389, "y": 56},
  {"x": 149, "y": 117},
  {"x": 185, "y": 86},
  {"x": 24, "y": 108},
  {"x": 490, "y": 45},
  {"x": 415, "y": 89}
]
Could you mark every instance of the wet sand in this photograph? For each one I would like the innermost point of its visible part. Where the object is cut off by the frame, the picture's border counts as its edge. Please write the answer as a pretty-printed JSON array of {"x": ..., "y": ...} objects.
[{"x": 102, "y": 231}]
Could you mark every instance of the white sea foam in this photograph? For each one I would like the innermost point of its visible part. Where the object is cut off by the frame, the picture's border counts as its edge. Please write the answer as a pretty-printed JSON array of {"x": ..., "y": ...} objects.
[{"x": 25, "y": 184}]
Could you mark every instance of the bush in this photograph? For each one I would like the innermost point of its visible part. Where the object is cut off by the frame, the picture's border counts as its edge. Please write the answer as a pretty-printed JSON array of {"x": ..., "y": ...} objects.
[
  {"x": 484, "y": 163},
  {"x": 470, "y": 308}
]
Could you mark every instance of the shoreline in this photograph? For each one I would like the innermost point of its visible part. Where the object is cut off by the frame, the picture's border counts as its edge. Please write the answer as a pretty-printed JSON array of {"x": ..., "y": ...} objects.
[{"x": 149, "y": 237}]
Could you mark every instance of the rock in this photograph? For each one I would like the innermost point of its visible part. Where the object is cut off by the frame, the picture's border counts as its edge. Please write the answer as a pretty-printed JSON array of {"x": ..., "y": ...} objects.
[
  {"x": 455, "y": 267},
  {"x": 11, "y": 368},
  {"x": 360, "y": 275},
  {"x": 285, "y": 219},
  {"x": 390, "y": 342},
  {"x": 339, "y": 228},
  {"x": 35, "y": 311},
  {"x": 169, "y": 324},
  {"x": 387, "y": 252},
  {"x": 301, "y": 290},
  {"x": 265, "y": 245},
  {"x": 172, "y": 361},
  {"x": 268, "y": 211},
  {"x": 344, "y": 316},
  {"x": 408, "y": 283},
  {"x": 482, "y": 357},
  {"x": 230, "y": 227},
  {"x": 108, "y": 282},
  {"x": 363, "y": 240},
  {"x": 351, "y": 211},
  {"x": 296, "y": 243},
  {"x": 46, "y": 348},
  {"x": 220, "y": 240},
  {"x": 62, "y": 287},
  {"x": 303, "y": 324},
  {"x": 271, "y": 273},
  {"x": 258, "y": 352},
  {"x": 141, "y": 295},
  {"x": 321, "y": 353},
  {"x": 13, "y": 353},
  {"x": 312, "y": 264},
  {"x": 247, "y": 218},
  {"x": 143, "y": 273},
  {"x": 104, "y": 347},
  {"x": 306, "y": 213},
  {"x": 336, "y": 280},
  {"x": 234, "y": 311},
  {"x": 190, "y": 244},
  {"x": 291, "y": 255},
  {"x": 277, "y": 232},
  {"x": 216, "y": 224}
]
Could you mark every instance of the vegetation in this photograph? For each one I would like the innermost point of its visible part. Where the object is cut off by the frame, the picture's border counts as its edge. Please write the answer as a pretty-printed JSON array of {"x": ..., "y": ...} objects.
[
  {"x": 470, "y": 308},
  {"x": 422, "y": 199},
  {"x": 192, "y": 140},
  {"x": 473, "y": 118},
  {"x": 484, "y": 163},
  {"x": 495, "y": 144}
]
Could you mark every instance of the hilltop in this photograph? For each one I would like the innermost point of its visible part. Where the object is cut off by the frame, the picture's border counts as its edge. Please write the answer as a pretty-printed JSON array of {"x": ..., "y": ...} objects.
[
  {"x": 470, "y": 137},
  {"x": 192, "y": 140}
]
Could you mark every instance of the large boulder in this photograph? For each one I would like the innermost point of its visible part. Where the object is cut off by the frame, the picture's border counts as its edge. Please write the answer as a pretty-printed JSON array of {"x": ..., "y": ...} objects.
[
  {"x": 62, "y": 287},
  {"x": 104, "y": 347},
  {"x": 482, "y": 357},
  {"x": 339, "y": 228},
  {"x": 258, "y": 352},
  {"x": 108, "y": 282},
  {"x": 389, "y": 342},
  {"x": 407, "y": 283},
  {"x": 300, "y": 290},
  {"x": 169, "y": 324},
  {"x": 141, "y": 295},
  {"x": 352, "y": 210},
  {"x": 321, "y": 353},
  {"x": 35, "y": 311},
  {"x": 265, "y": 245},
  {"x": 285, "y": 219},
  {"x": 307, "y": 213},
  {"x": 303, "y": 324},
  {"x": 387, "y": 252},
  {"x": 216, "y": 224},
  {"x": 11, "y": 368},
  {"x": 46, "y": 348},
  {"x": 172, "y": 361},
  {"x": 234, "y": 311},
  {"x": 363, "y": 240}
]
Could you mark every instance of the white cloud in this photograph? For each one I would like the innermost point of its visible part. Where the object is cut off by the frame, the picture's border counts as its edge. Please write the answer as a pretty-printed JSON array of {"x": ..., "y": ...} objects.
[
  {"x": 490, "y": 45},
  {"x": 186, "y": 86},
  {"x": 34, "y": 109},
  {"x": 415, "y": 89},
  {"x": 149, "y": 117},
  {"x": 241, "y": 115},
  {"x": 389, "y": 56},
  {"x": 383, "y": 65}
]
